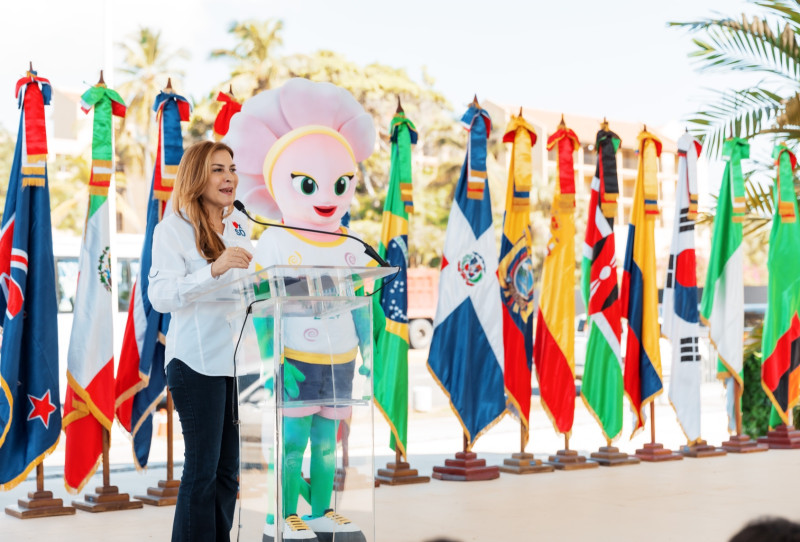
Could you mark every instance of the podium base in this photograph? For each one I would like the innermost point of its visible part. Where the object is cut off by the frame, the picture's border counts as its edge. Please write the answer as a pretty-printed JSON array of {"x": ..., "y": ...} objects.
[
  {"x": 655, "y": 452},
  {"x": 106, "y": 499},
  {"x": 743, "y": 444},
  {"x": 524, "y": 463},
  {"x": 570, "y": 460},
  {"x": 701, "y": 449},
  {"x": 782, "y": 437},
  {"x": 610, "y": 456},
  {"x": 39, "y": 504},
  {"x": 466, "y": 467},
  {"x": 166, "y": 494},
  {"x": 398, "y": 474}
]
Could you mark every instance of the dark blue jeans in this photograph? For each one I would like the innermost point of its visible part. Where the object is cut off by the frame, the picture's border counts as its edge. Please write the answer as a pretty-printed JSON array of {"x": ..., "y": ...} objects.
[{"x": 207, "y": 496}]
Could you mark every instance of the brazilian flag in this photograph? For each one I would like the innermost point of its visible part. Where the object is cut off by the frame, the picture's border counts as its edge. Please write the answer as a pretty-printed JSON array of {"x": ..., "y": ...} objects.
[{"x": 391, "y": 366}]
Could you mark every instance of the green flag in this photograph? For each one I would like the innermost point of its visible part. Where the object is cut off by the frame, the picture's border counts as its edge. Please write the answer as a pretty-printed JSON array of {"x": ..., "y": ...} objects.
[
  {"x": 722, "y": 306},
  {"x": 391, "y": 363},
  {"x": 781, "y": 336}
]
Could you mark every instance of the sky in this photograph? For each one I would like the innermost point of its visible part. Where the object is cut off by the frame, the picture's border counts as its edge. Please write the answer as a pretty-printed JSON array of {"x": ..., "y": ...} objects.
[{"x": 615, "y": 58}]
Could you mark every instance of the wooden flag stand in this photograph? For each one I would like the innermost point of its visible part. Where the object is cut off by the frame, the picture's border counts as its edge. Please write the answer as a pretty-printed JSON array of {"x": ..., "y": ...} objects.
[
  {"x": 610, "y": 456},
  {"x": 783, "y": 437},
  {"x": 654, "y": 451},
  {"x": 523, "y": 462},
  {"x": 166, "y": 494},
  {"x": 40, "y": 503},
  {"x": 466, "y": 467},
  {"x": 107, "y": 497},
  {"x": 567, "y": 459},
  {"x": 400, "y": 473},
  {"x": 741, "y": 443},
  {"x": 701, "y": 449}
]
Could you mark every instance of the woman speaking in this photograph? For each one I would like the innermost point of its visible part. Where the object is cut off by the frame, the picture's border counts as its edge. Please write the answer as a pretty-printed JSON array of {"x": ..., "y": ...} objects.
[{"x": 202, "y": 240}]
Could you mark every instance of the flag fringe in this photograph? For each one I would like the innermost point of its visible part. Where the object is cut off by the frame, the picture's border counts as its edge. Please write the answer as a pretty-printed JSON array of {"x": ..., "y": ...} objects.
[
  {"x": 33, "y": 464},
  {"x": 470, "y": 441}
]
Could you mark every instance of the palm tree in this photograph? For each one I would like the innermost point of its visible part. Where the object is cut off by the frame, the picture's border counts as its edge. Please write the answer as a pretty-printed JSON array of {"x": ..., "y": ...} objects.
[
  {"x": 766, "y": 46},
  {"x": 254, "y": 55},
  {"x": 149, "y": 65}
]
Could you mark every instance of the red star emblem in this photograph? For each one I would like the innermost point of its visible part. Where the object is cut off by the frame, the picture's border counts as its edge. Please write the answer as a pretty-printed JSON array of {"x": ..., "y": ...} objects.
[{"x": 41, "y": 408}]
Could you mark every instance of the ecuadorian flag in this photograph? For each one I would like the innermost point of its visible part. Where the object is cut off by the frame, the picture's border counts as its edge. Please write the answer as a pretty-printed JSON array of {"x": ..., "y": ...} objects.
[
  {"x": 466, "y": 354},
  {"x": 516, "y": 272},
  {"x": 391, "y": 367},
  {"x": 639, "y": 290}
]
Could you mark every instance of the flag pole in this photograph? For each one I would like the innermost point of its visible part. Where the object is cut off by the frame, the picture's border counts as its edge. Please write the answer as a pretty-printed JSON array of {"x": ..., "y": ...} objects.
[
  {"x": 652, "y": 422},
  {"x": 166, "y": 493}
]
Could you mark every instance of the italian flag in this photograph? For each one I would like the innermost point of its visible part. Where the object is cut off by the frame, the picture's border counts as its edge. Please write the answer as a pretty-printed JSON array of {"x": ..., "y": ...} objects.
[
  {"x": 780, "y": 371},
  {"x": 722, "y": 306}
]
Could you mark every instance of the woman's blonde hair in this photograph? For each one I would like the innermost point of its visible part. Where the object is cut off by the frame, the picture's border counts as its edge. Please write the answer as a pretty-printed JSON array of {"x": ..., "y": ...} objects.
[{"x": 187, "y": 196}]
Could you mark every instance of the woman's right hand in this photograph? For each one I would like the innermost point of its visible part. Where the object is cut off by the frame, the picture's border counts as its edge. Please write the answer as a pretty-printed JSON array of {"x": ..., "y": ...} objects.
[{"x": 232, "y": 258}]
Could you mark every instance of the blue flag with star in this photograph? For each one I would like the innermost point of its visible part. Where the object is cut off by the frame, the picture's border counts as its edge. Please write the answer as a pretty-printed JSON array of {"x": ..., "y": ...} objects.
[{"x": 30, "y": 413}]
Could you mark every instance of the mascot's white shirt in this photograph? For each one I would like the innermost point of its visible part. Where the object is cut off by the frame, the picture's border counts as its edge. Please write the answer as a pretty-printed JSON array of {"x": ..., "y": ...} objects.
[
  {"x": 310, "y": 336},
  {"x": 198, "y": 333}
]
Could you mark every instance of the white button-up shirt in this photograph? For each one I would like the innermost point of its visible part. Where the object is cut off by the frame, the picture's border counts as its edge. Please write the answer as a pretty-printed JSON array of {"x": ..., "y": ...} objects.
[{"x": 199, "y": 334}]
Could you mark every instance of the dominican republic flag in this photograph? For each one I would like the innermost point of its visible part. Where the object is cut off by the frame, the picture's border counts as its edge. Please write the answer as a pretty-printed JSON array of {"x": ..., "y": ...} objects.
[
  {"x": 780, "y": 370},
  {"x": 722, "y": 306},
  {"x": 391, "y": 366},
  {"x": 466, "y": 354},
  {"x": 516, "y": 272},
  {"x": 140, "y": 377},
  {"x": 639, "y": 296},
  {"x": 680, "y": 317},
  {"x": 30, "y": 409},
  {"x": 89, "y": 404},
  {"x": 554, "y": 349},
  {"x": 601, "y": 387}
]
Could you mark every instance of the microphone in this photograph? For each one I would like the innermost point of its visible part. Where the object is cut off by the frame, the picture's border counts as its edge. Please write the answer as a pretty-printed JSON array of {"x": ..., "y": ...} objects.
[{"x": 367, "y": 248}]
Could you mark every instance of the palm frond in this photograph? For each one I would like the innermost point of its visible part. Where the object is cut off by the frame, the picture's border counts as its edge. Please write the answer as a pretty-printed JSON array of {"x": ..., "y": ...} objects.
[
  {"x": 785, "y": 9},
  {"x": 743, "y": 113},
  {"x": 747, "y": 46}
]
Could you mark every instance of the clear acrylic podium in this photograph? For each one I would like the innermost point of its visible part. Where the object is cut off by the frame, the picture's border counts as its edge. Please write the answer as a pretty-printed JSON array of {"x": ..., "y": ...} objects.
[{"x": 304, "y": 358}]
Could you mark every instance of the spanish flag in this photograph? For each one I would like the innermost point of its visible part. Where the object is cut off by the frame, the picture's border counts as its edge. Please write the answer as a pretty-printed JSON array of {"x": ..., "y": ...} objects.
[
  {"x": 555, "y": 323},
  {"x": 780, "y": 370},
  {"x": 639, "y": 290},
  {"x": 516, "y": 272}
]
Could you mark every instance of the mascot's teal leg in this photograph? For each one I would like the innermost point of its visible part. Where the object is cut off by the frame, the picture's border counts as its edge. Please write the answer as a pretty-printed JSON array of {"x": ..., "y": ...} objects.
[
  {"x": 323, "y": 463},
  {"x": 296, "y": 432},
  {"x": 325, "y": 522}
]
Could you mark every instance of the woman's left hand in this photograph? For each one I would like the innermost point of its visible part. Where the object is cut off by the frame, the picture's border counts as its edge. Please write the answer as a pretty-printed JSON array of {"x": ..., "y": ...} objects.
[{"x": 232, "y": 258}]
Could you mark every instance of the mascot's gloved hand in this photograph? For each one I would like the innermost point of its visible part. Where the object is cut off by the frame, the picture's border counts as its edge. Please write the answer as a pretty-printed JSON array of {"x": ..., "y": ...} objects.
[{"x": 291, "y": 376}]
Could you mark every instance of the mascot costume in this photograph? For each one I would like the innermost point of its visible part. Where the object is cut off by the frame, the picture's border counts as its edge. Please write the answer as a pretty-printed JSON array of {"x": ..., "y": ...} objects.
[{"x": 297, "y": 150}]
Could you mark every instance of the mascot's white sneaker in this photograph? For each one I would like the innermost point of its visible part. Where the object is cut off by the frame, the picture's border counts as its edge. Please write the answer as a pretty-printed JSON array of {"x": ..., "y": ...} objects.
[
  {"x": 294, "y": 528},
  {"x": 332, "y": 524}
]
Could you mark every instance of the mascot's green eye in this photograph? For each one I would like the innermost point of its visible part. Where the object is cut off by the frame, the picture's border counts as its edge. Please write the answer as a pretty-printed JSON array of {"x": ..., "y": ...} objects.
[
  {"x": 304, "y": 184},
  {"x": 342, "y": 184}
]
